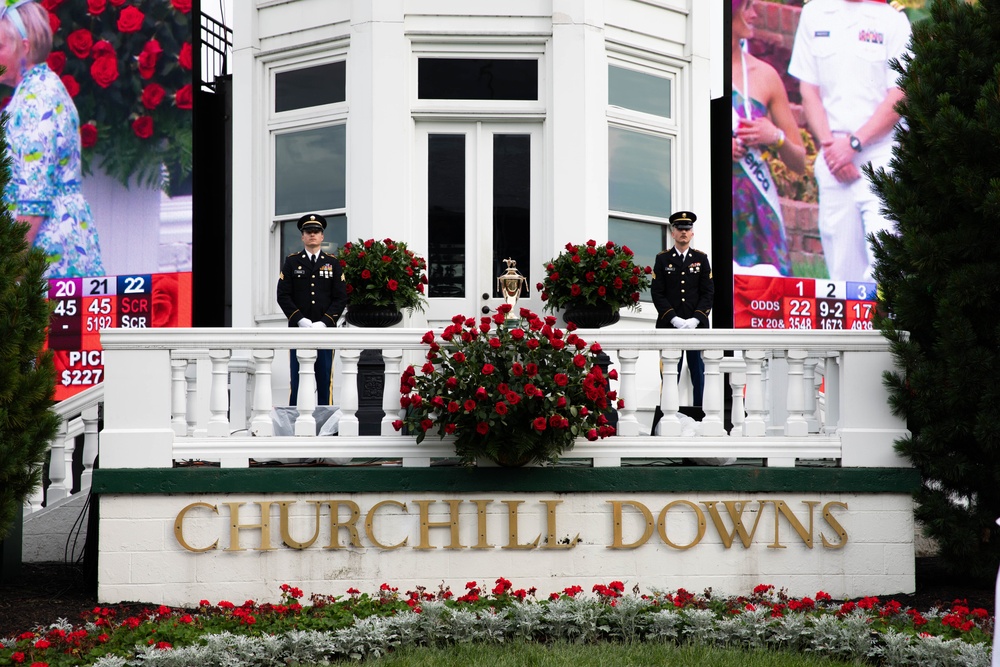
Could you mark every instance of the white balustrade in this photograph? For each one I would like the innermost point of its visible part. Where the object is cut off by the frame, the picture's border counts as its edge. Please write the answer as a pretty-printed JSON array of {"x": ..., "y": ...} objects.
[{"x": 762, "y": 366}]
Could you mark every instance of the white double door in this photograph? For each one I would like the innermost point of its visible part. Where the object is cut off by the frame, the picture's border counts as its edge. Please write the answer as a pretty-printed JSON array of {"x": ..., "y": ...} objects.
[{"x": 478, "y": 198}]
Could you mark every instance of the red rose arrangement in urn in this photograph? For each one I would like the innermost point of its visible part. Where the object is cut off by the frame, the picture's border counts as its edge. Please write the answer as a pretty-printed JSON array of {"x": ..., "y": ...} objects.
[
  {"x": 595, "y": 275},
  {"x": 383, "y": 274},
  {"x": 128, "y": 64},
  {"x": 513, "y": 394}
]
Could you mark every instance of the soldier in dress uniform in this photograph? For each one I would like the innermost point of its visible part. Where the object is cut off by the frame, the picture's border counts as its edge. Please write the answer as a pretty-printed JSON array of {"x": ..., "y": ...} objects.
[
  {"x": 312, "y": 294},
  {"x": 683, "y": 291}
]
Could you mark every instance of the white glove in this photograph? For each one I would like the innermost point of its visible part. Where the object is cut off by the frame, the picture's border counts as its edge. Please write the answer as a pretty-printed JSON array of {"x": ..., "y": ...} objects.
[
  {"x": 305, "y": 323},
  {"x": 692, "y": 322},
  {"x": 319, "y": 325},
  {"x": 677, "y": 322}
]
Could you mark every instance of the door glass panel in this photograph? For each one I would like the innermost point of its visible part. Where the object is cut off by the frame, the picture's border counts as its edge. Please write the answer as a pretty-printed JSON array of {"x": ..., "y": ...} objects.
[
  {"x": 512, "y": 206},
  {"x": 310, "y": 86},
  {"x": 477, "y": 79},
  {"x": 639, "y": 172},
  {"x": 638, "y": 91},
  {"x": 309, "y": 170},
  {"x": 446, "y": 215}
]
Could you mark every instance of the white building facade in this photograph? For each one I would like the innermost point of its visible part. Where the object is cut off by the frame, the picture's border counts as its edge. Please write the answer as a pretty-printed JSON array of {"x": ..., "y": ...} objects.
[{"x": 471, "y": 134}]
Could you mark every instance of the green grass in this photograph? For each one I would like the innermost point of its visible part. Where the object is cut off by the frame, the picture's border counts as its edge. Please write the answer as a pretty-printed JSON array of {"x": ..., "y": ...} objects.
[{"x": 521, "y": 654}]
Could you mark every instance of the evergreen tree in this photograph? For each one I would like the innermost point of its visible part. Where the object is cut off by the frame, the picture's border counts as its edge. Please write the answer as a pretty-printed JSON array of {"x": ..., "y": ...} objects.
[
  {"x": 27, "y": 375},
  {"x": 940, "y": 278}
]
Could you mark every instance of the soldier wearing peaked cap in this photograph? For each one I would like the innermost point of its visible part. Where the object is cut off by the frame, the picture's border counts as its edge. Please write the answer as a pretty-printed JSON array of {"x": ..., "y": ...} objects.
[
  {"x": 683, "y": 291},
  {"x": 312, "y": 294}
]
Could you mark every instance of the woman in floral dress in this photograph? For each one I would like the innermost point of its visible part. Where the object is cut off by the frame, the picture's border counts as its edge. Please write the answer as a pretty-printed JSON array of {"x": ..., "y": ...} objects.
[{"x": 43, "y": 137}]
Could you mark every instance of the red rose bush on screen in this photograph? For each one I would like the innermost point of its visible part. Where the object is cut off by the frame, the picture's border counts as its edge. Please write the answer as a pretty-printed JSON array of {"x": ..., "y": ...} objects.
[
  {"x": 383, "y": 273},
  {"x": 594, "y": 274},
  {"x": 514, "y": 392},
  {"x": 128, "y": 68}
]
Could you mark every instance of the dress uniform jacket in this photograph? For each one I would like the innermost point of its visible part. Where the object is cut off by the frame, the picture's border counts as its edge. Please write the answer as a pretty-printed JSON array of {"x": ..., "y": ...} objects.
[
  {"x": 314, "y": 291},
  {"x": 682, "y": 289}
]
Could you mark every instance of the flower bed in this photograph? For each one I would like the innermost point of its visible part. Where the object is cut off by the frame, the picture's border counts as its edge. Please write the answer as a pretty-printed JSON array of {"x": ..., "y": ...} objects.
[{"x": 359, "y": 625}]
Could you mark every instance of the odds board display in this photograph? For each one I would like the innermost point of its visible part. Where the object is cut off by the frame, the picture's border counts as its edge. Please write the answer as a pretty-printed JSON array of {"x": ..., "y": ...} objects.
[
  {"x": 766, "y": 302},
  {"x": 82, "y": 307}
]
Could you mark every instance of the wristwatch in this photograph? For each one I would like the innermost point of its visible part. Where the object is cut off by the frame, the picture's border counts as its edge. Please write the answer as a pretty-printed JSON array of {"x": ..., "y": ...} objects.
[{"x": 855, "y": 144}]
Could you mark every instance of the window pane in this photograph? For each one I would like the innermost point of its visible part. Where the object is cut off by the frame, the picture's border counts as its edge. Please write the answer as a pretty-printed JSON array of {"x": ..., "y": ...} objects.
[
  {"x": 310, "y": 86},
  {"x": 477, "y": 79},
  {"x": 512, "y": 206},
  {"x": 638, "y": 172},
  {"x": 645, "y": 239},
  {"x": 334, "y": 237},
  {"x": 638, "y": 91},
  {"x": 309, "y": 168},
  {"x": 446, "y": 215}
]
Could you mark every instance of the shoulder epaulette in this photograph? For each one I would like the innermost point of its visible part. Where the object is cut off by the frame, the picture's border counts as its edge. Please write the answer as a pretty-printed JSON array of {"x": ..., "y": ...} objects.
[
  {"x": 663, "y": 251},
  {"x": 293, "y": 254},
  {"x": 898, "y": 6}
]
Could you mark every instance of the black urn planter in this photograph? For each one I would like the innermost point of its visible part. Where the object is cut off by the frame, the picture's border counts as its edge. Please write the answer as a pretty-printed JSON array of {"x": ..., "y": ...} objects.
[
  {"x": 373, "y": 316},
  {"x": 591, "y": 317},
  {"x": 371, "y": 368}
]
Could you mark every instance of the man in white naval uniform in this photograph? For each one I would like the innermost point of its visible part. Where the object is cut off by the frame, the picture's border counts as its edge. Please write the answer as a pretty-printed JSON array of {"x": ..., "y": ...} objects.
[{"x": 841, "y": 57}]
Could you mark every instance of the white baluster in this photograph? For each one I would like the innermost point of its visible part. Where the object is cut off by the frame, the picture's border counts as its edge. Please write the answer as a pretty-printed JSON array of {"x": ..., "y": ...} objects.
[
  {"x": 712, "y": 424},
  {"x": 737, "y": 385},
  {"x": 35, "y": 500},
  {"x": 349, "y": 392},
  {"x": 796, "y": 424},
  {"x": 178, "y": 395},
  {"x": 831, "y": 392},
  {"x": 809, "y": 380},
  {"x": 218, "y": 404},
  {"x": 754, "y": 425},
  {"x": 90, "y": 445},
  {"x": 670, "y": 424},
  {"x": 191, "y": 380},
  {"x": 305, "y": 423},
  {"x": 261, "y": 424},
  {"x": 57, "y": 466},
  {"x": 390, "y": 392},
  {"x": 627, "y": 423}
]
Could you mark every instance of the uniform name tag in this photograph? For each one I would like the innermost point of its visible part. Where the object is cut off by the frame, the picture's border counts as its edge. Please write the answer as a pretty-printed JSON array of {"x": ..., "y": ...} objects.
[
  {"x": 299, "y": 271},
  {"x": 821, "y": 33}
]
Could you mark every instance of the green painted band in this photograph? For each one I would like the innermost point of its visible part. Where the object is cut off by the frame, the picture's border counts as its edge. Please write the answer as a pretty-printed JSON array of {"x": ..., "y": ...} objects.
[{"x": 159, "y": 481}]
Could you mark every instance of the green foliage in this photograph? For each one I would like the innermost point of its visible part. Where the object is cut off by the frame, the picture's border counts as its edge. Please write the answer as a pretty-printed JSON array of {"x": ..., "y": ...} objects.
[
  {"x": 938, "y": 279},
  {"x": 510, "y": 391},
  {"x": 594, "y": 275},
  {"x": 383, "y": 273},
  {"x": 27, "y": 374}
]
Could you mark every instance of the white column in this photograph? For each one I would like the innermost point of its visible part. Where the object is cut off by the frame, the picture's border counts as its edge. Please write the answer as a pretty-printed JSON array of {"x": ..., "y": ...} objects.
[
  {"x": 754, "y": 425},
  {"x": 670, "y": 424},
  {"x": 868, "y": 429},
  {"x": 241, "y": 370},
  {"x": 261, "y": 424},
  {"x": 393, "y": 359},
  {"x": 831, "y": 392},
  {"x": 628, "y": 424},
  {"x": 218, "y": 401},
  {"x": 737, "y": 384},
  {"x": 809, "y": 378},
  {"x": 349, "y": 392},
  {"x": 137, "y": 431},
  {"x": 796, "y": 424},
  {"x": 191, "y": 380},
  {"x": 712, "y": 424},
  {"x": 305, "y": 423}
]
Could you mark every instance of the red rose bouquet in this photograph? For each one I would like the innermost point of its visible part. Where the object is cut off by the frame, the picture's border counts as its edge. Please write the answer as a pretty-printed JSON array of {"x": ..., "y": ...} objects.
[
  {"x": 594, "y": 274},
  {"x": 128, "y": 67},
  {"x": 383, "y": 273},
  {"x": 513, "y": 393}
]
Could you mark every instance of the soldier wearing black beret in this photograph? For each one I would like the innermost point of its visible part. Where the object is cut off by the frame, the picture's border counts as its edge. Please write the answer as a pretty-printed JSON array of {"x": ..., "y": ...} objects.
[
  {"x": 312, "y": 294},
  {"x": 683, "y": 291}
]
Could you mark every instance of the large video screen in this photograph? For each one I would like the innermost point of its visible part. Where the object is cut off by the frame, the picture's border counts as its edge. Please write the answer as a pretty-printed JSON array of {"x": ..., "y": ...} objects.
[
  {"x": 807, "y": 80},
  {"x": 99, "y": 135}
]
